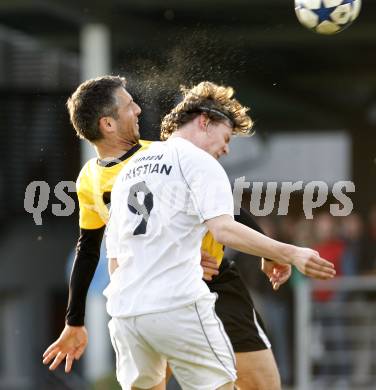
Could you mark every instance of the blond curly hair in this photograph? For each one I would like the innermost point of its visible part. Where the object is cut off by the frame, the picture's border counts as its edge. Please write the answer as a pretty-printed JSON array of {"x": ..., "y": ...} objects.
[{"x": 214, "y": 100}]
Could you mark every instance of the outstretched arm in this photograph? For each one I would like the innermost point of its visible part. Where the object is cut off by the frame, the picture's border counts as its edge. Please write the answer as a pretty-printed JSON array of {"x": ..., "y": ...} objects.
[
  {"x": 277, "y": 274},
  {"x": 85, "y": 264},
  {"x": 246, "y": 219},
  {"x": 73, "y": 339},
  {"x": 237, "y": 236}
]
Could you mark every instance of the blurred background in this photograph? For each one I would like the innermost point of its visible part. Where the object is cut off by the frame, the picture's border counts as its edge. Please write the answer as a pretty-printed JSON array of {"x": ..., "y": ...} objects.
[{"x": 313, "y": 99}]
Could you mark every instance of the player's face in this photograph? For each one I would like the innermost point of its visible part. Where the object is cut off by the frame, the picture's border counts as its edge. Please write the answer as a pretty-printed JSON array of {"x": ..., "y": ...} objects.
[
  {"x": 127, "y": 122},
  {"x": 218, "y": 138}
]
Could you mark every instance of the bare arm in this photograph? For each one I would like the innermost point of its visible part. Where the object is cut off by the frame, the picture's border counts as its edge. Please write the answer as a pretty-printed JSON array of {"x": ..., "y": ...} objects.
[
  {"x": 277, "y": 273},
  {"x": 237, "y": 236}
]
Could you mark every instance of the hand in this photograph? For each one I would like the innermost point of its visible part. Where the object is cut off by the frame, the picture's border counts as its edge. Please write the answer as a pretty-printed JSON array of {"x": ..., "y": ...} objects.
[
  {"x": 309, "y": 263},
  {"x": 69, "y": 346},
  {"x": 276, "y": 273},
  {"x": 209, "y": 265}
]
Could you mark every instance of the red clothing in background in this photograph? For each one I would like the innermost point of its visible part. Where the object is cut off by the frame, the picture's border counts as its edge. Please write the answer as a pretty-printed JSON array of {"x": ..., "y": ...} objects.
[{"x": 332, "y": 251}]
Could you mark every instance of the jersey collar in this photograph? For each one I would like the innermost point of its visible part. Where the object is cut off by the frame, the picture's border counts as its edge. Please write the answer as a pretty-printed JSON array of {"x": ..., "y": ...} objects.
[{"x": 126, "y": 155}]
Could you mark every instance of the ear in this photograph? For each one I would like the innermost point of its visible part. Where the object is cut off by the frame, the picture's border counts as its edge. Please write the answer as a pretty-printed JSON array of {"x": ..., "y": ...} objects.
[
  {"x": 203, "y": 121},
  {"x": 106, "y": 124}
]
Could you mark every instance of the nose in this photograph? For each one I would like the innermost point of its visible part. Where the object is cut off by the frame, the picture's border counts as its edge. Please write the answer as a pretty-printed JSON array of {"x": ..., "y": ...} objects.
[
  {"x": 137, "y": 109},
  {"x": 226, "y": 149}
]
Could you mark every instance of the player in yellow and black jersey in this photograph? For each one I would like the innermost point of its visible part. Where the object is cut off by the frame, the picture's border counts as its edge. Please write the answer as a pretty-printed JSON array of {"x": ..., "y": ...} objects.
[{"x": 104, "y": 113}]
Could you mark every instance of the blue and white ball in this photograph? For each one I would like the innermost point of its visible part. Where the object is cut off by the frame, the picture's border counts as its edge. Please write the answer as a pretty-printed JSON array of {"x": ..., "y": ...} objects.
[{"x": 327, "y": 16}]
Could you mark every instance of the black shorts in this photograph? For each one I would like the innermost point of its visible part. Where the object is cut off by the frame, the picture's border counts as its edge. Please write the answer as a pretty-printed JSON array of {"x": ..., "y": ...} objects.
[{"x": 235, "y": 308}]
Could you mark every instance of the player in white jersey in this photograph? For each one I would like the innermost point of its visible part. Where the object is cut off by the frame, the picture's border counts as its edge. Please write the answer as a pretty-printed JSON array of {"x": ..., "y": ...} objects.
[
  {"x": 163, "y": 202},
  {"x": 159, "y": 203}
]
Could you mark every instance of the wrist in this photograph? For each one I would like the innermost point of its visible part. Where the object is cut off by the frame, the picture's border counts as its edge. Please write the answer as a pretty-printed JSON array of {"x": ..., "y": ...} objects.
[
  {"x": 288, "y": 254},
  {"x": 74, "y": 322},
  {"x": 74, "y": 326}
]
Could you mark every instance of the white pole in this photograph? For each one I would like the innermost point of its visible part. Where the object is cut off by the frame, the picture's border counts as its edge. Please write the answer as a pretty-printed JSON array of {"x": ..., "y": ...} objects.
[
  {"x": 95, "y": 43},
  {"x": 303, "y": 335}
]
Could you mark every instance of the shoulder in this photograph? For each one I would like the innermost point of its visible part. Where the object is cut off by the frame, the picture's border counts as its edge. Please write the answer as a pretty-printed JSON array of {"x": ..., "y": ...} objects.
[
  {"x": 149, "y": 147},
  {"x": 193, "y": 156},
  {"x": 189, "y": 148},
  {"x": 145, "y": 143},
  {"x": 86, "y": 173}
]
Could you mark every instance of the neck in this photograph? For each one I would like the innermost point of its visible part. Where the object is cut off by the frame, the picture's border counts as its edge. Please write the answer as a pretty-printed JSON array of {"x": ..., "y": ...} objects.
[
  {"x": 106, "y": 150},
  {"x": 187, "y": 132}
]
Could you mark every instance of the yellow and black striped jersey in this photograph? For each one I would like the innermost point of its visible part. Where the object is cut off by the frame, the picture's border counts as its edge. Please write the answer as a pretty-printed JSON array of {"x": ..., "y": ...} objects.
[{"x": 94, "y": 186}]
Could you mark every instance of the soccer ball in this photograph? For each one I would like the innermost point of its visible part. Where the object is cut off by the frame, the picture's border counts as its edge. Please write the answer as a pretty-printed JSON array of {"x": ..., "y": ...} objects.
[{"x": 327, "y": 16}]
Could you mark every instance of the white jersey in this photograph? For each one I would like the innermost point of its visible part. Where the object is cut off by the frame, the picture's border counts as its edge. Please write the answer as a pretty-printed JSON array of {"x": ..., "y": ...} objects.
[{"x": 158, "y": 205}]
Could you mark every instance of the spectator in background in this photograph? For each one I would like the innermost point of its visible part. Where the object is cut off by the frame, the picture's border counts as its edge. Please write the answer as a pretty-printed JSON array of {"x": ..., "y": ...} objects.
[
  {"x": 275, "y": 306},
  {"x": 303, "y": 233},
  {"x": 352, "y": 233},
  {"x": 366, "y": 266},
  {"x": 328, "y": 241},
  {"x": 369, "y": 264},
  {"x": 279, "y": 303},
  {"x": 329, "y": 245}
]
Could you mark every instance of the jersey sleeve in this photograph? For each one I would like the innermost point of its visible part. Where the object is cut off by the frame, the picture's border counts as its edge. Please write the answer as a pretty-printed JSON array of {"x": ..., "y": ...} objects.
[
  {"x": 207, "y": 182},
  {"x": 84, "y": 266},
  {"x": 213, "y": 247}
]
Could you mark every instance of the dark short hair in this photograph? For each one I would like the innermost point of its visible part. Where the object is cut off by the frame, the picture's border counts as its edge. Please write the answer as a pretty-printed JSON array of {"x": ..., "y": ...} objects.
[{"x": 92, "y": 100}]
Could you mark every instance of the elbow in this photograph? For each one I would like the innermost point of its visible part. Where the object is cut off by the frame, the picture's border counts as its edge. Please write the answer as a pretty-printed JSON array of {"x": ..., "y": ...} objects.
[
  {"x": 221, "y": 228},
  {"x": 220, "y": 233}
]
